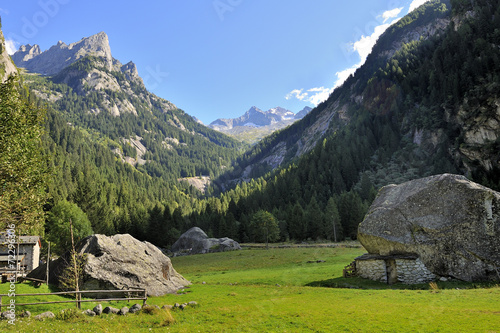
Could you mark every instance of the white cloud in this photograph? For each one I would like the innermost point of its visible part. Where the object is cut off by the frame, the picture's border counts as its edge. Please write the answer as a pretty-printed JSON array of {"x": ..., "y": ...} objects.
[
  {"x": 321, "y": 94},
  {"x": 391, "y": 13},
  {"x": 363, "y": 47},
  {"x": 11, "y": 46},
  {"x": 313, "y": 95},
  {"x": 343, "y": 75},
  {"x": 297, "y": 93},
  {"x": 416, "y": 3}
]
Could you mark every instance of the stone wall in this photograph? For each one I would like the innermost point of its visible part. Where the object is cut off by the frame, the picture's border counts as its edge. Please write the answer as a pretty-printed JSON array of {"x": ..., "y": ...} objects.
[
  {"x": 372, "y": 269},
  {"x": 409, "y": 270},
  {"x": 413, "y": 271}
]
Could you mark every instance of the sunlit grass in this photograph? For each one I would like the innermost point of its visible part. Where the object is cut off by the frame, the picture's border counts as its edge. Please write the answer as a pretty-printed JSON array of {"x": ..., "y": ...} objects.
[{"x": 278, "y": 290}]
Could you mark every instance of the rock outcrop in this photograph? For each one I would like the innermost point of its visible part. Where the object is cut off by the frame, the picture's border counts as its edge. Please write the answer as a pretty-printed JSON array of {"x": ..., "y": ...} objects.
[
  {"x": 121, "y": 261},
  {"x": 196, "y": 241},
  {"x": 59, "y": 56},
  {"x": 449, "y": 222},
  {"x": 7, "y": 67}
]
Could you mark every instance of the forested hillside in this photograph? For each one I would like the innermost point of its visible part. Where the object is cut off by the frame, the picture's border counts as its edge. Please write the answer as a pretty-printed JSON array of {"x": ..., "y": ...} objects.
[
  {"x": 115, "y": 151},
  {"x": 425, "y": 102}
]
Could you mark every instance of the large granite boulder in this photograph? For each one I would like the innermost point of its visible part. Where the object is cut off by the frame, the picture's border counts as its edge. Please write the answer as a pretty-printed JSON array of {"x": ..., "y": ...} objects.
[
  {"x": 195, "y": 241},
  {"x": 118, "y": 262},
  {"x": 451, "y": 223}
]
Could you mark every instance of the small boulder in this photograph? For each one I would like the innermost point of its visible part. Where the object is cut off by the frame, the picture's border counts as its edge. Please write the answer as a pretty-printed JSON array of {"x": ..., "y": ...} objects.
[
  {"x": 7, "y": 315},
  {"x": 193, "y": 303},
  {"x": 89, "y": 312},
  {"x": 135, "y": 308},
  {"x": 110, "y": 309},
  {"x": 123, "y": 311},
  {"x": 45, "y": 315},
  {"x": 98, "y": 309},
  {"x": 167, "y": 307}
]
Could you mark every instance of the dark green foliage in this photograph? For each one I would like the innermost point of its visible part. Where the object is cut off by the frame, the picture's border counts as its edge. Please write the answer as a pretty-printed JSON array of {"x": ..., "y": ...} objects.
[
  {"x": 264, "y": 227},
  {"x": 23, "y": 169},
  {"x": 418, "y": 89},
  {"x": 58, "y": 226}
]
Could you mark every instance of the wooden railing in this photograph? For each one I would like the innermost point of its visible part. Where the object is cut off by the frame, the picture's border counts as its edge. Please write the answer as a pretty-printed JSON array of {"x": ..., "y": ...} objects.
[{"x": 142, "y": 295}]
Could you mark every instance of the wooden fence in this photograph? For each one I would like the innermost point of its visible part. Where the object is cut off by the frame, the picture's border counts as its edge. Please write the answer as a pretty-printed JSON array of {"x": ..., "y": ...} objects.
[{"x": 142, "y": 295}]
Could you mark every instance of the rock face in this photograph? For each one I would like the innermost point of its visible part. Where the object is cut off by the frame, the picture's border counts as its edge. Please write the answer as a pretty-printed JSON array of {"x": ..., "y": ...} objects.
[
  {"x": 7, "y": 67},
  {"x": 121, "y": 261},
  {"x": 449, "y": 222},
  {"x": 195, "y": 241},
  {"x": 61, "y": 55}
]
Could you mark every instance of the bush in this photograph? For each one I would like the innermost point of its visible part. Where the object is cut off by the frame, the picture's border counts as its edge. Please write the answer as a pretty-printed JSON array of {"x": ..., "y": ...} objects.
[{"x": 69, "y": 314}]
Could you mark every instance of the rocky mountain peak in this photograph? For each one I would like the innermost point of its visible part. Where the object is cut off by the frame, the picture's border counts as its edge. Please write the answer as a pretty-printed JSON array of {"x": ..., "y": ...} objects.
[
  {"x": 130, "y": 71},
  {"x": 61, "y": 55}
]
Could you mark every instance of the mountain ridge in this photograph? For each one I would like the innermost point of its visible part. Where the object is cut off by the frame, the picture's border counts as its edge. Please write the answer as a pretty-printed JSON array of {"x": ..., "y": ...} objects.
[
  {"x": 61, "y": 55},
  {"x": 256, "y": 124}
]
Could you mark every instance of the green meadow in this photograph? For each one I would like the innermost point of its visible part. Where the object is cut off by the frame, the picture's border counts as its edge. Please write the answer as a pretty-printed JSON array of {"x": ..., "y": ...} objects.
[{"x": 284, "y": 290}]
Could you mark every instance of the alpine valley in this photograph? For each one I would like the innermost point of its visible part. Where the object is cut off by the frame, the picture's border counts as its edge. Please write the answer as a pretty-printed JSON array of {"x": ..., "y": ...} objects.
[{"x": 426, "y": 101}]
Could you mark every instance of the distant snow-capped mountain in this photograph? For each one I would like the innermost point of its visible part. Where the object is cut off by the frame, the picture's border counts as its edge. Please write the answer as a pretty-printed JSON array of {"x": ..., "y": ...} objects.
[
  {"x": 255, "y": 117},
  {"x": 256, "y": 124}
]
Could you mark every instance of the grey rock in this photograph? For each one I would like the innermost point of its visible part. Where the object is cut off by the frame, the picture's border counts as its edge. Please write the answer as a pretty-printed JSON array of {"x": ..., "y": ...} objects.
[
  {"x": 451, "y": 223},
  {"x": 59, "y": 56},
  {"x": 135, "y": 308},
  {"x": 193, "y": 303},
  {"x": 195, "y": 241},
  {"x": 45, "y": 315},
  {"x": 123, "y": 311},
  {"x": 120, "y": 262},
  {"x": 7, "y": 315},
  {"x": 98, "y": 309},
  {"x": 6, "y": 63},
  {"x": 89, "y": 312},
  {"x": 177, "y": 305},
  {"x": 167, "y": 307},
  {"x": 110, "y": 309}
]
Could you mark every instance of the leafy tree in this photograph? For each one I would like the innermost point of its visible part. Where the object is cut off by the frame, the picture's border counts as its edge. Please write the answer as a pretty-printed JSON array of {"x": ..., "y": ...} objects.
[
  {"x": 332, "y": 218},
  {"x": 265, "y": 227},
  {"x": 22, "y": 167},
  {"x": 58, "y": 225}
]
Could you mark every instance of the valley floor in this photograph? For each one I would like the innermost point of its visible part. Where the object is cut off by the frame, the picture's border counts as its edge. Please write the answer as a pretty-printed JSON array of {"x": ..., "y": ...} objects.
[{"x": 291, "y": 290}]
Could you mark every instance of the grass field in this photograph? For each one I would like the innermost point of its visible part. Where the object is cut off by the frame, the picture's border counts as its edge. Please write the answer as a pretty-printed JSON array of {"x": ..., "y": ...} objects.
[{"x": 278, "y": 290}]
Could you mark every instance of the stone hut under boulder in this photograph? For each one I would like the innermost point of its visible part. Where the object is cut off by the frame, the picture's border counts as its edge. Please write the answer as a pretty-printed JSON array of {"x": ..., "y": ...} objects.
[
  {"x": 438, "y": 227},
  {"x": 120, "y": 262},
  {"x": 196, "y": 241}
]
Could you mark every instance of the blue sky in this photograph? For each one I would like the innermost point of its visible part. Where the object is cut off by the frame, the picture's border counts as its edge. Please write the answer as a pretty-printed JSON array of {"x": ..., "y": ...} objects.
[{"x": 217, "y": 58}]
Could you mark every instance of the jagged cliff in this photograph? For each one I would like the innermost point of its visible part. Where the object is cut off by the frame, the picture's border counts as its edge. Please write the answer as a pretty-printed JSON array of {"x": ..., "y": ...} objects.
[
  {"x": 7, "y": 67},
  {"x": 59, "y": 56}
]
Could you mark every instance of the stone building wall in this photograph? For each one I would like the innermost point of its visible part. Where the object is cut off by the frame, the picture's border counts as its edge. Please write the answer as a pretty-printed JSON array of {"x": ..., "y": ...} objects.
[
  {"x": 372, "y": 269},
  {"x": 413, "y": 271},
  {"x": 408, "y": 270}
]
